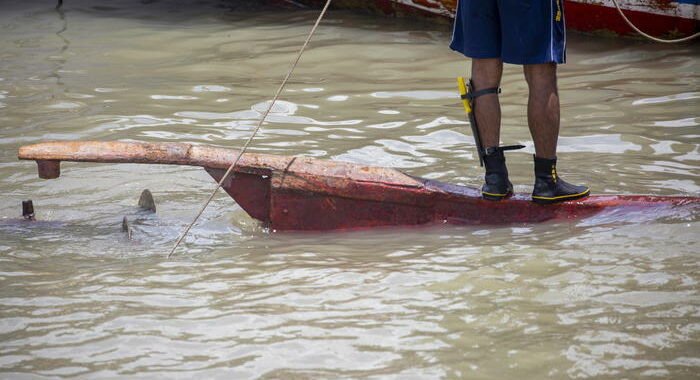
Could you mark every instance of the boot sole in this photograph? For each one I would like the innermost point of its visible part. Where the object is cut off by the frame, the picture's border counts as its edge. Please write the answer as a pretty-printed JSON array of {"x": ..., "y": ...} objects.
[
  {"x": 495, "y": 197},
  {"x": 563, "y": 198}
]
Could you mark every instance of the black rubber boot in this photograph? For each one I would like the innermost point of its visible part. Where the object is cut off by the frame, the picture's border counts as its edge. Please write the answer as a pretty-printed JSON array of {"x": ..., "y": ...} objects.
[
  {"x": 497, "y": 185},
  {"x": 549, "y": 188}
]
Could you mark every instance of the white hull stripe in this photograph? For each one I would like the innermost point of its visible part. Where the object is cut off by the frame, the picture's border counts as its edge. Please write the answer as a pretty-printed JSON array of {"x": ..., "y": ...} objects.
[{"x": 689, "y": 11}]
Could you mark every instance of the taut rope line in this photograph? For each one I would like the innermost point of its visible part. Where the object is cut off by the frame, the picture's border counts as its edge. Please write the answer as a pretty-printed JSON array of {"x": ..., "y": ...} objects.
[
  {"x": 688, "y": 38},
  {"x": 255, "y": 131}
]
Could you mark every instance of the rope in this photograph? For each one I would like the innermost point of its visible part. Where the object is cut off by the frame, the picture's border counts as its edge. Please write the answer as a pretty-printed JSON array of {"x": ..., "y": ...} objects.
[
  {"x": 688, "y": 38},
  {"x": 255, "y": 132}
]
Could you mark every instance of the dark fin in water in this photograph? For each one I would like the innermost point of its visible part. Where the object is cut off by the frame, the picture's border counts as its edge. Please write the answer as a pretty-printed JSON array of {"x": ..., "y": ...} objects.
[
  {"x": 28, "y": 210},
  {"x": 126, "y": 228},
  {"x": 146, "y": 201}
]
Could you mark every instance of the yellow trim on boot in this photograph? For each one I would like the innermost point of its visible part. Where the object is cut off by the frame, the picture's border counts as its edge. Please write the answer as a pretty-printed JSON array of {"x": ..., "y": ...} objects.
[{"x": 495, "y": 195}]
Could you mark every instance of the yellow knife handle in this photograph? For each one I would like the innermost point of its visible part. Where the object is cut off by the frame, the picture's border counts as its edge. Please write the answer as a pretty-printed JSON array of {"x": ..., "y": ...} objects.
[{"x": 464, "y": 91}]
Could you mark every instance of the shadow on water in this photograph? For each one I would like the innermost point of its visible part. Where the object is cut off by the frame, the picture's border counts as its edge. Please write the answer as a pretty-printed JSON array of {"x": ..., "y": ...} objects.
[
  {"x": 66, "y": 44},
  {"x": 152, "y": 10},
  {"x": 178, "y": 14}
]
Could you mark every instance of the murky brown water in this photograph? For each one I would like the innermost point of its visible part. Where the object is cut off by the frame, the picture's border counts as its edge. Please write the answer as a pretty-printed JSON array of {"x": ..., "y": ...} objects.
[{"x": 608, "y": 297}]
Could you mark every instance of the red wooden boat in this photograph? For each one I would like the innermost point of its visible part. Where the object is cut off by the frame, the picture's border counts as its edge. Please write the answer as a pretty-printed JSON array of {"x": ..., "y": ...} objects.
[
  {"x": 300, "y": 193},
  {"x": 661, "y": 18}
]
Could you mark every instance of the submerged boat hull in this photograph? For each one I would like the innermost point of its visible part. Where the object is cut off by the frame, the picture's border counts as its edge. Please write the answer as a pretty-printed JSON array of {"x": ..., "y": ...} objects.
[{"x": 299, "y": 193}]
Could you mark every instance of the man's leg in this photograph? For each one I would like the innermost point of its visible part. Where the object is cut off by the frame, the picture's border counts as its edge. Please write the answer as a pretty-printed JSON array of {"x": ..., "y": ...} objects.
[
  {"x": 486, "y": 73},
  {"x": 543, "y": 108},
  {"x": 543, "y": 120}
]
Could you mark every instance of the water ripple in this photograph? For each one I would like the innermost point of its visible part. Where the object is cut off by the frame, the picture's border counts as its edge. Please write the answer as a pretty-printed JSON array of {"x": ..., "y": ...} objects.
[{"x": 606, "y": 297}]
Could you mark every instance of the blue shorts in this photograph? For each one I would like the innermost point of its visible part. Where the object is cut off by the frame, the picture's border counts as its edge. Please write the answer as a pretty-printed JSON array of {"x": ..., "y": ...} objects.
[{"x": 523, "y": 32}]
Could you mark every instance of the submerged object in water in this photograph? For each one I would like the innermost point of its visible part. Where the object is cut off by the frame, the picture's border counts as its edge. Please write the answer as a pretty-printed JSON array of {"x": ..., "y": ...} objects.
[
  {"x": 146, "y": 201},
  {"x": 301, "y": 193},
  {"x": 126, "y": 228},
  {"x": 28, "y": 210}
]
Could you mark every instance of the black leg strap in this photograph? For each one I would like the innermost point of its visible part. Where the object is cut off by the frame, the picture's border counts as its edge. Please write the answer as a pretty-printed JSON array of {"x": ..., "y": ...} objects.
[
  {"x": 494, "y": 149},
  {"x": 486, "y": 91}
]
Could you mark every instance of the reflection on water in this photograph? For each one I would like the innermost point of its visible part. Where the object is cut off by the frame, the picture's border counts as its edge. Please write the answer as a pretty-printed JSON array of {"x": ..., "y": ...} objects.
[{"x": 612, "y": 296}]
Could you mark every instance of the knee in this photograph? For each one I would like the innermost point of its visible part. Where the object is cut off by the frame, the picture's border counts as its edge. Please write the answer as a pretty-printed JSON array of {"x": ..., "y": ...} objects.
[
  {"x": 542, "y": 77},
  {"x": 487, "y": 72},
  {"x": 541, "y": 80}
]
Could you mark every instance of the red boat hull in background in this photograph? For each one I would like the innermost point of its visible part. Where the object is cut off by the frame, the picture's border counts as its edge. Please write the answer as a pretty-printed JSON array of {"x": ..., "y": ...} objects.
[{"x": 660, "y": 18}]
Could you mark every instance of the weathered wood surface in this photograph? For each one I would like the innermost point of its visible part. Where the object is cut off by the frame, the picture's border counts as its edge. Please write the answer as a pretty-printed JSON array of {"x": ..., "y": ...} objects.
[{"x": 299, "y": 193}]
